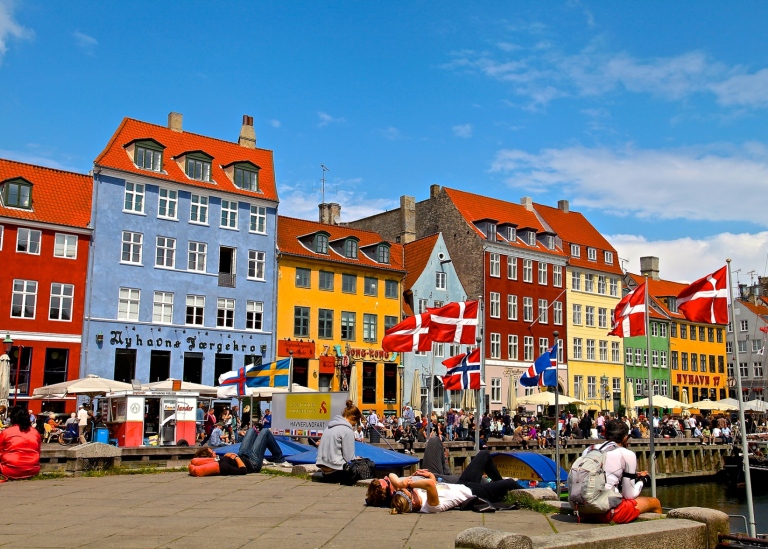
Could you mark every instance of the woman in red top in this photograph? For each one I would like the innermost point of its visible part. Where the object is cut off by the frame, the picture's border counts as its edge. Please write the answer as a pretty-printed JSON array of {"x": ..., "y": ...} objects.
[{"x": 19, "y": 447}]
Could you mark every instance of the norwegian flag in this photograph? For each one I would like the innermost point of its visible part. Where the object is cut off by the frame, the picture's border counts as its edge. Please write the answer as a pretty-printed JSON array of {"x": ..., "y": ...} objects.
[
  {"x": 410, "y": 335},
  {"x": 541, "y": 373},
  {"x": 463, "y": 371},
  {"x": 706, "y": 300},
  {"x": 629, "y": 316},
  {"x": 454, "y": 323}
]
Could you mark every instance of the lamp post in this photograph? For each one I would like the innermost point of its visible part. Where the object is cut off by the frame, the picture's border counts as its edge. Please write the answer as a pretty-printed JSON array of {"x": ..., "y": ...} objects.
[
  {"x": 604, "y": 382},
  {"x": 5, "y": 371}
]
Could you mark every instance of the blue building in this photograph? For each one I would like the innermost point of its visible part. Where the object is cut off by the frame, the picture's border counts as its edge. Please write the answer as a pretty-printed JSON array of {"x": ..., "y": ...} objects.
[{"x": 181, "y": 278}]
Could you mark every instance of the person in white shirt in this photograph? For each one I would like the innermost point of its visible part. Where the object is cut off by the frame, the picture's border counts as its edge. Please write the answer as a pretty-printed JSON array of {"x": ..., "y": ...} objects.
[
  {"x": 359, "y": 434},
  {"x": 82, "y": 422}
]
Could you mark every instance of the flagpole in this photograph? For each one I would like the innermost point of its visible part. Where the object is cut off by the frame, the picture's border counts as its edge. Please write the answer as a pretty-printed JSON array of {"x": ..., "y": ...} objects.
[
  {"x": 431, "y": 393},
  {"x": 557, "y": 420},
  {"x": 480, "y": 401},
  {"x": 652, "y": 448},
  {"x": 290, "y": 371},
  {"x": 742, "y": 424}
]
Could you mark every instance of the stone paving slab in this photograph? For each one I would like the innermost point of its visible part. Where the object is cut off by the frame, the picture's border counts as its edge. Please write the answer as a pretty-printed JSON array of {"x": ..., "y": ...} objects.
[{"x": 174, "y": 510}]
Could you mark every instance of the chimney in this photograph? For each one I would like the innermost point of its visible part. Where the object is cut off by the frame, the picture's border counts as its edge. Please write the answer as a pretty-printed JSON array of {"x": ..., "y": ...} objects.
[
  {"x": 408, "y": 218},
  {"x": 563, "y": 206},
  {"x": 247, "y": 137},
  {"x": 174, "y": 121},
  {"x": 434, "y": 190},
  {"x": 330, "y": 213},
  {"x": 649, "y": 266},
  {"x": 527, "y": 201}
]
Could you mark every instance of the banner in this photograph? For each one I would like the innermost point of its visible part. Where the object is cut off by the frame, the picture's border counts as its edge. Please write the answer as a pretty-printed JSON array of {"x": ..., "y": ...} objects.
[{"x": 305, "y": 414}]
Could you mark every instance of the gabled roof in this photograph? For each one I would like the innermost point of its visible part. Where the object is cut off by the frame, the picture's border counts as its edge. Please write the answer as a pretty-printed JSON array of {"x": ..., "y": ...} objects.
[
  {"x": 475, "y": 207},
  {"x": 661, "y": 288},
  {"x": 417, "y": 254},
  {"x": 290, "y": 229},
  {"x": 761, "y": 309},
  {"x": 58, "y": 197},
  {"x": 224, "y": 153},
  {"x": 573, "y": 228}
]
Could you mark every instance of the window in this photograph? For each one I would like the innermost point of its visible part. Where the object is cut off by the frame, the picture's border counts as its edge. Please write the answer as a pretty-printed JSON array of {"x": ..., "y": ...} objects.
[
  {"x": 490, "y": 232},
  {"x": 61, "y": 302},
  {"x": 162, "y": 308},
  {"x": 132, "y": 244},
  {"x": 55, "y": 369},
  {"x": 550, "y": 242},
  {"x": 744, "y": 325},
  {"x": 65, "y": 245},
  {"x": 495, "y": 265},
  {"x": 693, "y": 333},
  {"x": 511, "y": 267},
  {"x": 628, "y": 355},
  {"x": 134, "y": 197},
  {"x": 575, "y": 250},
  {"x": 662, "y": 330},
  {"x": 495, "y": 345},
  {"x": 557, "y": 276},
  {"x": 165, "y": 252},
  {"x": 440, "y": 280},
  {"x": 349, "y": 284},
  {"x": 422, "y": 306},
  {"x": 326, "y": 280},
  {"x": 527, "y": 270},
  {"x": 609, "y": 258},
  {"x": 28, "y": 241},
  {"x": 495, "y": 389},
  {"x": 369, "y": 383},
  {"x": 576, "y": 313},
  {"x": 742, "y": 346},
  {"x": 645, "y": 357},
  {"x": 495, "y": 302},
  {"x": 655, "y": 358},
  {"x": 382, "y": 254},
  {"x": 557, "y": 313},
  {"x": 371, "y": 286},
  {"x": 673, "y": 359},
  {"x": 684, "y": 361},
  {"x": 663, "y": 358},
  {"x": 614, "y": 287},
  {"x": 198, "y": 209},
  {"x": 195, "y": 310},
  {"x": 301, "y": 321},
  {"x": 664, "y": 387},
  {"x": 758, "y": 369},
  {"x": 18, "y": 195},
  {"x": 743, "y": 369},
  {"x": 543, "y": 345},
  {"x": 590, "y": 349},
  {"x": 577, "y": 348},
  {"x": 390, "y": 321},
  {"x": 228, "y": 214},
  {"x": 128, "y": 304},
  {"x": 197, "y": 255},
  {"x": 672, "y": 304},
  {"x": 711, "y": 335},
  {"x": 757, "y": 344},
  {"x": 259, "y": 221},
  {"x": 527, "y": 348},
  {"x": 2, "y": 234},
  {"x": 702, "y": 333},
  {"x": 720, "y": 364},
  {"x": 592, "y": 254},
  {"x": 531, "y": 238},
  {"x": 601, "y": 284},
  {"x": 578, "y": 383},
  {"x": 638, "y": 357},
  {"x": 654, "y": 329},
  {"x": 602, "y": 317},
  {"x": 347, "y": 326},
  {"x": 512, "y": 347},
  {"x": 147, "y": 157},
  {"x": 729, "y": 347},
  {"x": 369, "y": 327},
  {"x": 390, "y": 289},
  {"x": 639, "y": 386},
  {"x": 246, "y": 179},
  {"x": 302, "y": 277},
  {"x": 719, "y": 335},
  {"x": 528, "y": 309},
  {"x": 325, "y": 323},
  {"x": 198, "y": 167},
  {"x": 712, "y": 368},
  {"x": 683, "y": 331},
  {"x": 673, "y": 329},
  {"x": 511, "y": 234},
  {"x": 167, "y": 203},
  {"x": 615, "y": 352},
  {"x": 350, "y": 248},
  {"x": 254, "y": 314},
  {"x": 589, "y": 315},
  {"x": 438, "y": 349},
  {"x": 589, "y": 283},
  {"x": 511, "y": 307},
  {"x": 257, "y": 263},
  {"x": 576, "y": 281},
  {"x": 591, "y": 386},
  {"x": 543, "y": 311}
]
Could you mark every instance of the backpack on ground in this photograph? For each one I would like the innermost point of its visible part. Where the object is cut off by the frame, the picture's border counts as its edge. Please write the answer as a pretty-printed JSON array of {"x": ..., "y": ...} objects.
[{"x": 586, "y": 481}]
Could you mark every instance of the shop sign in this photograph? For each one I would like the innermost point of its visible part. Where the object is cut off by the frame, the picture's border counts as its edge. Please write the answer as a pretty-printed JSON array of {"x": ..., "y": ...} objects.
[
  {"x": 192, "y": 343},
  {"x": 301, "y": 349},
  {"x": 694, "y": 379},
  {"x": 371, "y": 354}
]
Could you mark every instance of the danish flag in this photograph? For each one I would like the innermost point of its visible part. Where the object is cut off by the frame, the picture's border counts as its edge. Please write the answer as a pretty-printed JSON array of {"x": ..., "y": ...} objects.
[
  {"x": 629, "y": 316},
  {"x": 706, "y": 300},
  {"x": 463, "y": 371},
  {"x": 454, "y": 323},
  {"x": 410, "y": 335}
]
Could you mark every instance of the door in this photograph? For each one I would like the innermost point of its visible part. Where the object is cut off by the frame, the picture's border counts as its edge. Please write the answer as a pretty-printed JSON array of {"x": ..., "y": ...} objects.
[{"x": 168, "y": 421}]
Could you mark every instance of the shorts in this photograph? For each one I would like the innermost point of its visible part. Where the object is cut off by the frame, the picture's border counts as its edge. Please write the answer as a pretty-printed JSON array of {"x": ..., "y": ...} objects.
[{"x": 624, "y": 513}]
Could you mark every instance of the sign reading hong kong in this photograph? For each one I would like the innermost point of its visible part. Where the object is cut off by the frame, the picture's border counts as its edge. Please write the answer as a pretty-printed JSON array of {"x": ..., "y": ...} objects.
[{"x": 192, "y": 343}]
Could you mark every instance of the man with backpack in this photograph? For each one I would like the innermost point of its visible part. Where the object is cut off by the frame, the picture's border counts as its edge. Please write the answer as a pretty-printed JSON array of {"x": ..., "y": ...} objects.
[{"x": 604, "y": 485}]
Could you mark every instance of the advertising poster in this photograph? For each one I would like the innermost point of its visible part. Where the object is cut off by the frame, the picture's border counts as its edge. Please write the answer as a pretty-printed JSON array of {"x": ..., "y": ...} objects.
[{"x": 305, "y": 414}]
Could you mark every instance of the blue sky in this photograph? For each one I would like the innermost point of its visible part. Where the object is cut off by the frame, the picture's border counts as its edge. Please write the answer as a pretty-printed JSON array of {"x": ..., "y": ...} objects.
[{"x": 649, "y": 117}]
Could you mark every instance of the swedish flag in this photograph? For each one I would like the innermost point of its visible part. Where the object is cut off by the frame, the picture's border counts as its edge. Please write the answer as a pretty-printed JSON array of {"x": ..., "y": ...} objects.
[{"x": 273, "y": 374}]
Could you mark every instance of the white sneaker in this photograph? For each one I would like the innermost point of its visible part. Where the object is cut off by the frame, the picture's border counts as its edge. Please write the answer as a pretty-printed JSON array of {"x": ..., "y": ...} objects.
[{"x": 281, "y": 464}]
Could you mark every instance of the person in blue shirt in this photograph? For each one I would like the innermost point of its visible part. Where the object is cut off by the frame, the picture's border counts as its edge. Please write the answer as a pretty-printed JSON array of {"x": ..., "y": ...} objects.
[
  {"x": 266, "y": 421},
  {"x": 199, "y": 420}
]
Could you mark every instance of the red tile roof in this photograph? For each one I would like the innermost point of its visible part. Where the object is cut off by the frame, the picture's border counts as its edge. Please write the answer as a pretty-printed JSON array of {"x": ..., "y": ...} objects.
[
  {"x": 573, "y": 228},
  {"x": 475, "y": 207},
  {"x": 290, "y": 229},
  {"x": 417, "y": 254},
  {"x": 58, "y": 197},
  {"x": 662, "y": 288},
  {"x": 176, "y": 143},
  {"x": 760, "y": 309}
]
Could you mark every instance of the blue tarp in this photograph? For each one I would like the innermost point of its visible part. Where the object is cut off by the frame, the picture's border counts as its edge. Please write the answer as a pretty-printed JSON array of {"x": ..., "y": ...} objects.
[
  {"x": 384, "y": 459},
  {"x": 544, "y": 466},
  {"x": 288, "y": 447}
]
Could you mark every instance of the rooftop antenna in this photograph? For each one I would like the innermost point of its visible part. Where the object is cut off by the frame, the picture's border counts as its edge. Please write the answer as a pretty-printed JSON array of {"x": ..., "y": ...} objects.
[
  {"x": 752, "y": 277},
  {"x": 322, "y": 180}
]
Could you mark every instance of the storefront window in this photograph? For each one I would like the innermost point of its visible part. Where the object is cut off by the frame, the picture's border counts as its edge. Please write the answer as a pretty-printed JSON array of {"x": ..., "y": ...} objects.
[
  {"x": 193, "y": 367},
  {"x": 369, "y": 383},
  {"x": 125, "y": 365},
  {"x": 390, "y": 383},
  {"x": 222, "y": 364},
  {"x": 159, "y": 366},
  {"x": 55, "y": 366},
  {"x": 26, "y": 360}
]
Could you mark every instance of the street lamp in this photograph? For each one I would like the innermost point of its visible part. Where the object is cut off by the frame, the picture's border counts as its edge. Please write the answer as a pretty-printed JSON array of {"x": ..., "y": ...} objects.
[
  {"x": 604, "y": 382},
  {"x": 5, "y": 371}
]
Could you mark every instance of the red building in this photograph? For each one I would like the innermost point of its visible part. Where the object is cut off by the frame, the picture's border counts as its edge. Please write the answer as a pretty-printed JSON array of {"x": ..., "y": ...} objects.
[{"x": 44, "y": 239}]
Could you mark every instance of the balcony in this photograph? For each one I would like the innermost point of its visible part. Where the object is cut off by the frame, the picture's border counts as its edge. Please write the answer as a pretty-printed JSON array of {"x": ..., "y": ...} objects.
[{"x": 227, "y": 280}]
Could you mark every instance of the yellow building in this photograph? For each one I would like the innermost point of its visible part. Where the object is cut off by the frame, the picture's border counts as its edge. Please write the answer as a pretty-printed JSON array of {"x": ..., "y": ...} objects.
[
  {"x": 593, "y": 286},
  {"x": 338, "y": 291}
]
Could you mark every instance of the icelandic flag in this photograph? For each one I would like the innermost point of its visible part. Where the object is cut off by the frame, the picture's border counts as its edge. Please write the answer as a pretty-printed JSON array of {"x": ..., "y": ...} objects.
[
  {"x": 534, "y": 376},
  {"x": 463, "y": 371},
  {"x": 236, "y": 378},
  {"x": 273, "y": 374}
]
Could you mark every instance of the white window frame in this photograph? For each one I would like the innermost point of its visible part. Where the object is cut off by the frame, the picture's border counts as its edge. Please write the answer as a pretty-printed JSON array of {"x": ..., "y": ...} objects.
[
  {"x": 543, "y": 311},
  {"x": 27, "y": 290},
  {"x": 132, "y": 243},
  {"x": 602, "y": 317},
  {"x": 615, "y": 351},
  {"x": 225, "y": 305},
  {"x": 2, "y": 236},
  {"x": 614, "y": 287},
  {"x": 66, "y": 246},
  {"x": 603, "y": 350},
  {"x": 743, "y": 325},
  {"x": 589, "y": 282},
  {"x": 165, "y": 249},
  {"x": 258, "y": 220},
  {"x": 542, "y": 273},
  {"x": 162, "y": 307},
  {"x": 441, "y": 280},
  {"x": 495, "y": 345},
  {"x": 591, "y": 254},
  {"x": 254, "y": 316},
  {"x": 577, "y": 348},
  {"x": 590, "y": 349},
  {"x": 512, "y": 349},
  {"x": 575, "y": 250},
  {"x": 591, "y": 386},
  {"x": 197, "y": 302},
  {"x": 495, "y": 389},
  {"x": 601, "y": 289},
  {"x": 495, "y": 304},
  {"x": 168, "y": 199},
  {"x": 24, "y": 236},
  {"x": 629, "y": 356},
  {"x": 528, "y": 270},
  {"x": 576, "y": 313},
  {"x": 557, "y": 276},
  {"x": 557, "y": 313},
  {"x": 198, "y": 209},
  {"x": 511, "y": 307},
  {"x": 511, "y": 267},
  {"x": 128, "y": 304},
  {"x": 589, "y": 316},
  {"x": 200, "y": 251},
  {"x": 531, "y": 238},
  {"x": 257, "y": 264},
  {"x": 228, "y": 217},
  {"x": 527, "y": 348},
  {"x": 134, "y": 198},
  {"x": 65, "y": 300},
  {"x": 608, "y": 256},
  {"x": 663, "y": 359},
  {"x": 527, "y": 309},
  {"x": 576, "y": 281},
  {"x": 495, "y": 265},
  {"x": 543, "y": 345}
]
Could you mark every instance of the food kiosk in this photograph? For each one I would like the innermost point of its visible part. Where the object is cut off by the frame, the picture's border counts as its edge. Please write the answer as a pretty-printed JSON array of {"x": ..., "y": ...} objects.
[{"x": 143, "y": 418}]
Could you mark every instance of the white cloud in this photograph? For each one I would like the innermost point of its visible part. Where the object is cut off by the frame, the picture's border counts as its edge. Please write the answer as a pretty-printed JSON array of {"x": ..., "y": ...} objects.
[
  {"x": 9, "y": 28},
  {"x": 275, "y": 123},
  {"x": 464, "y": 131},
  {"x": 86, "y": 43},
  {"x": 391, "y": 133},
  {"x": 326, "y": 119},
  {"x": 687, "y": 259},
  {"x": 301, "y": 203},
  {"x": 701, "y": 183},
  {"x": 37, "y": 158}
]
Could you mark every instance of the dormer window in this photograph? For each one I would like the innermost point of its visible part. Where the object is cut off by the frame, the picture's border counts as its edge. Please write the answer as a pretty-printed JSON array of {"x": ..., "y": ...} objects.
[
  {"x": 247, "y": 177},
  {"x": 491, "y": 232},
  {"x": 609, "y": 258},
  {"x": 148, "y": 155},
  {"x": 321, "y": 243},
  {"x": 592, "y": 254},
  {"x": 198, "y": 166},
  {"x": 382, "y": 254},
  {"x": 672, "y": 304},
  {"x": 17, "y": 194},
  {"x": 511, "y": 234},
  {"x": 575, "y": 250},
  {"x": 550, "y": 242},
  {"x": 350, "y": 248},
  {"x": 531, "y": 238}
]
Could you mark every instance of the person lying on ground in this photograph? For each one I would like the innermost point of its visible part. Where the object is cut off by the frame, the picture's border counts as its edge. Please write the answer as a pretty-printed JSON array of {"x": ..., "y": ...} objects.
[{"x": 249, "y": 459}]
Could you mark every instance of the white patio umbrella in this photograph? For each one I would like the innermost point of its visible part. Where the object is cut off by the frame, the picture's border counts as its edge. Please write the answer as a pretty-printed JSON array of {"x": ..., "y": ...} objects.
[
  {"x": 661, "y": 402},
  {"x": 707, "y": 404},
  {"x": 512, "y": 394},
  {"x": 629, "y": 400},
  {"x": 684, "y": 398},
  {"x": 167, "y": 385},
  {"x": 5, "y": 379},
  {"x": 755, "y": 406},
  {"x": 731, "y": 401},
  {"x": 468, "y": 400},
  {"x": 353, "y": 385},
  {"x": 416, "y": 392},
  {"x": 547, "y": 398},
  {"x": 89, "y": 385}
]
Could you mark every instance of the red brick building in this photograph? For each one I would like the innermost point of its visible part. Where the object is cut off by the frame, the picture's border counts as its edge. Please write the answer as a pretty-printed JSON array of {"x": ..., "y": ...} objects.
[{"x": 44, "y": 240}]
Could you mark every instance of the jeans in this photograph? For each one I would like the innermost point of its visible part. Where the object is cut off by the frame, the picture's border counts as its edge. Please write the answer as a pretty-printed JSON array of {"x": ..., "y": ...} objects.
[
  {"x": 434, "y": 461},
  {"x": 449, "y": 430},
  {"x": 254, "y": 446}
]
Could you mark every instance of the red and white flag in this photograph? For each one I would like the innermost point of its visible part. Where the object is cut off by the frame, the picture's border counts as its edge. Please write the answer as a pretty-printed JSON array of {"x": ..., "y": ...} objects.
[
  {"x": 411, "y": 335},
  {"x": 629, "y": 315},
  {"x": 454, "y": 323},
  {"x": 706, "y": 300},
  {"x": 463, "y": 371}
]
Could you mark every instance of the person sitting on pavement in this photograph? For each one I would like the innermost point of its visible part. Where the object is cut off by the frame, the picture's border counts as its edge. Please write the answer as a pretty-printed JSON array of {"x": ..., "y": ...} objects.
[
  {"x": 622, "y": 477},
  {"x": 20, "y": 447},
  {"x": 337, "y": 446},
  {"x": 249, "y": 459},
  {"x": 359, "y": 434},
  {"x": 216, "y": 438}
]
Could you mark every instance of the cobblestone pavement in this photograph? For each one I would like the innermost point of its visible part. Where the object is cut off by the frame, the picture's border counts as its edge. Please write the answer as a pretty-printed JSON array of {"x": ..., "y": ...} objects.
[{"x": 254, "y": 511}]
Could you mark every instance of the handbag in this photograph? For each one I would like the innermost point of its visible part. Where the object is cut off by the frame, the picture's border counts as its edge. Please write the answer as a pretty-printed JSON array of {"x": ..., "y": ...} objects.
[{"x": 360, "y": 469}]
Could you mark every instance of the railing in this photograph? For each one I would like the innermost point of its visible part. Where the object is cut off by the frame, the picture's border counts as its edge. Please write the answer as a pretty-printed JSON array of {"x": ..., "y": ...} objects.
[{"x": 227, "y": 280}]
